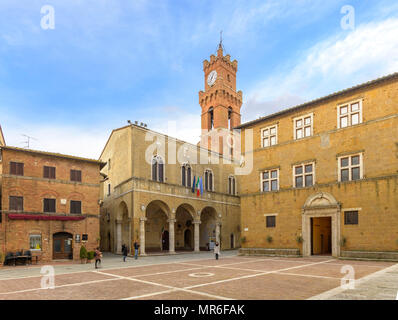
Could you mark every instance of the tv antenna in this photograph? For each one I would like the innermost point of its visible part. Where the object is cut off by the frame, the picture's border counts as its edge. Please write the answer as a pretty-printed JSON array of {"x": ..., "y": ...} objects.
[{"x": 27, "y": 141}]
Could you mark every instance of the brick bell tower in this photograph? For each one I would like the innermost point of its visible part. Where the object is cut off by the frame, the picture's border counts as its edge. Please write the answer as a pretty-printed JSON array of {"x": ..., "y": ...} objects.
[{"x": 220, "y": 102}]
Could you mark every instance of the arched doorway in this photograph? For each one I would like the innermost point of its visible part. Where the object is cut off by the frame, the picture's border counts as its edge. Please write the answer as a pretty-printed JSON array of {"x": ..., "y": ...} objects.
[
  {"x": 62, "y": 245},
  {"x": 165, "y": 240},
  {"x": 232, "y": 241},
  {"x": 184, "y": 227},
  {"x": 188, "y": 239},
  {"x": 208, "y": 226},
  {"x": 122, "y": 227},
  {"x": 321, "y": 225},
  {"x": 157, "y": 227}
]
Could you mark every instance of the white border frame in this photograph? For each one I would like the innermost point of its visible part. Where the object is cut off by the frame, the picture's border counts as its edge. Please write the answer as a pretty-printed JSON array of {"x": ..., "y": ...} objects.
[
  {"x": 302, "y": 118},
  {"x": 303, "y": 165},
  {"x": 262, "y": 180},
  {"x": 361, "y": 167},
  {"x": 348, "y": 104},
  {"x": 276, "y": 135}
]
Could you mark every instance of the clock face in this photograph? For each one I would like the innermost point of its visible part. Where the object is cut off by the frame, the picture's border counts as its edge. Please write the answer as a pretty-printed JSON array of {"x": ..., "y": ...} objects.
[{"x": 212, "y": 78}]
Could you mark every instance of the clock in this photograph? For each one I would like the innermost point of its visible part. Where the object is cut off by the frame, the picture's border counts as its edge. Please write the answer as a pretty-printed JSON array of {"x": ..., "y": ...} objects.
[{"x": 212, "y": 78}]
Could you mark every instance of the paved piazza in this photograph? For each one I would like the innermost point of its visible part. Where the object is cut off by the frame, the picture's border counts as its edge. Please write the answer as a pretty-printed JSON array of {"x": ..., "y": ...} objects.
[{"x": 201, "y": 277}]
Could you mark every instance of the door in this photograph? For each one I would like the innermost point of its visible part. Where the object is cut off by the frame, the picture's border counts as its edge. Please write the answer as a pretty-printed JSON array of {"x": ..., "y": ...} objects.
[
  {"x": 62, "y": 246},
  {"x": 187, "y": 239},
  {"x": 232, "y": 241},
  {"x": 165, "y": 240}
]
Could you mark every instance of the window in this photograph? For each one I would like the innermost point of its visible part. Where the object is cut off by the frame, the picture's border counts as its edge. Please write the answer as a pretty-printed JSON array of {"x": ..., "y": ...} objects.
[
  {"x": 209, "y": 180},
  {"x": 271, "y": 221},
  {"x": 349, "y": 114},
  {"x": 351, "y": 217},
  {"x": 269, "y": 136},
  {"x": 211, "y": 118},
  {"x": 16, "y": 168},
  {"x": 84, "y": 237},
  {"x": 49, "y": 172},
  {"x": 186, "y": 175},
  {"x": 303, "y": 127},
  {"x": 304, "y": 175},
  {"x": 16, "y": 203},
  {"x": 76, "y": 175},
  {"x": 270, "y": 180},
  {"x": 231, "y": 185},
  {"x": 350, "y": 168},
  {"x": 35, "y": 242},
  {"x": 157, "y": 169},
  {"x": 109, "y": 164},
  {"x": 76, "y": 207},
  {"x": 49, "y": 205},
  {"x": 230, "y": 118}
]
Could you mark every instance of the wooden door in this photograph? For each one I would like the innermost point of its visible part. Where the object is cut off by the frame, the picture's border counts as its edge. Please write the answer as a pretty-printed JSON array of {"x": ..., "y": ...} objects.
[{"x": 62, "y": 246}]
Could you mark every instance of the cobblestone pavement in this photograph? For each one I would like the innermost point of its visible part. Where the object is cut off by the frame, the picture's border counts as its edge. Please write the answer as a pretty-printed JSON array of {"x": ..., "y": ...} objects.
[
  {"x": 381, "y": 285},
  {"x": 199, "y": 276}
]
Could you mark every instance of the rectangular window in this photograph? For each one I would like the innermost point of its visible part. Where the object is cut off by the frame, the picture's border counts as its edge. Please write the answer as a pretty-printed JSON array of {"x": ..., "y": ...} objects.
[
  {"x": 350, "y": 168},
  {"x": 35, "y": 242},
  {"x": 269, "y": 136},
  {"x": 270, "y": 180},
  {"x": 16, "y": 203},
  {"x": 304, "y": 175},
  {"x": 49, "y": 172},
  {"x": 49, "y": 205},
  {"x": 303, "y": 126},
  {"x": 75, "y": 207},
  {"x": 76, "y": 175},
  {"x": 16, "y": 168},
  {"x": 349, "y": 114},
  {"x": 351, "y": 217},
  {"x": 271, "y": 221}
]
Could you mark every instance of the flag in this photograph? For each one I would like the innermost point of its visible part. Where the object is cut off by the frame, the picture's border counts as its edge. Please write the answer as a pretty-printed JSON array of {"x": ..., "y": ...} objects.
[
  {"x": 201, "y": 186},
  {"x": 197, "y": 187},
  {"x": 193, "y": 184}
]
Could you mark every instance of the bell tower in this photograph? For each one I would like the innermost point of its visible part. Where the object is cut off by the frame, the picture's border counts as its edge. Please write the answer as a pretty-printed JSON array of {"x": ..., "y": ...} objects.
[{"x": 220, "y": 102}]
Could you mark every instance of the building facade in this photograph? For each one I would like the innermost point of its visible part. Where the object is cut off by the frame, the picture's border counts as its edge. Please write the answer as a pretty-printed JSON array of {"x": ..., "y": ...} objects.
[
  {"x": 49, "y": 203},
  {"x": 325, "y": 176}
]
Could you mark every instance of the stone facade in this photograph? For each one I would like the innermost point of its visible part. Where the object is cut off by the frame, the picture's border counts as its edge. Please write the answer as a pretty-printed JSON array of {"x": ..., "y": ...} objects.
[
  {"x": 298, "y": 210},
  {"x": 17, "y": 227}
]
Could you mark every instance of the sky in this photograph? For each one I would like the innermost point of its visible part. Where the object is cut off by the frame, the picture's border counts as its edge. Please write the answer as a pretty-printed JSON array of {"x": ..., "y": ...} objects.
[{"x": 108, "y": 61}]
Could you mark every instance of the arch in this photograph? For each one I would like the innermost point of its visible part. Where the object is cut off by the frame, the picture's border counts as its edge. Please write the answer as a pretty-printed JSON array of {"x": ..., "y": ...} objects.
[
  {"x": 158, "y": 168},
  {"x": 188, "y": 239},
  {"x": 208, "y": 227},
  {"x": 321, "y": 205},
  {"x": 157, "y": 214},
  {"x": 185, "y": 216}
]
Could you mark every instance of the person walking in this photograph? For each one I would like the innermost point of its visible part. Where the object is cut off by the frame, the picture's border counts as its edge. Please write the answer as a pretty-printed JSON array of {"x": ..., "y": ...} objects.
[
  {"x": 216, "y": 250},
  {"x": 136, "y": 247},
  {"x": 125, "y": 252},
  {"x": 98, "y": 256}
]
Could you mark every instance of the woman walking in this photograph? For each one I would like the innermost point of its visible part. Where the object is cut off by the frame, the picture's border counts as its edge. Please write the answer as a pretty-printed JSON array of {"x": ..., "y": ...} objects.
[
  {"x": 216, "y": 250},
  {"x": 98, "y": 256},
  {"x": 125, "y": 252}
]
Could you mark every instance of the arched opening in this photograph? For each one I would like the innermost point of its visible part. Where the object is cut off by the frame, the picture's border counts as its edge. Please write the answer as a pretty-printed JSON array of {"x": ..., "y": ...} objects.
[
  {"x": 157, "y": 169},
  {"x": 122, "y": 227},
  {"x": 211, "y": 118},
  {"x": 188, "y": 239},
  {"x": 207, "y": 237},
  {"x": 184, "y": 227},
  {"x": 157, "y": 226},
  {"x": 62, "y": 245},
  {"x": 232, "y": 241}
]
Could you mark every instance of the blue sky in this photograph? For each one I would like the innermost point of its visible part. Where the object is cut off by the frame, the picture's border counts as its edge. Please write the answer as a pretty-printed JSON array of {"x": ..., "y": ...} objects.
[{"x": 108, "y": 61}]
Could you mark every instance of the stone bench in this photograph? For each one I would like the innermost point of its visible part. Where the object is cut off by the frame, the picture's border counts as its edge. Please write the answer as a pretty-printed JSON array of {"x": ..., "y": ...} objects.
[
  {"x": 269, "y": 252},
  {"x": 370, "y": 255}
]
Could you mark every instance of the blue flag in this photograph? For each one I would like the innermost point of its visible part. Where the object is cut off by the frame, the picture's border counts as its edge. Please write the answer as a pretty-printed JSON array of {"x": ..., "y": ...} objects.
[{"x": 201, "y": 185}]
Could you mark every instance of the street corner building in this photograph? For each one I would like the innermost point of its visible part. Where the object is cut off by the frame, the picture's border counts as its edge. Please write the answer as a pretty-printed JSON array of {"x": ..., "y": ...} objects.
[
  {"x": 173, "y": 201},
  {"x": 325, "y": 178},
  {"x": 49, "y": 203}
]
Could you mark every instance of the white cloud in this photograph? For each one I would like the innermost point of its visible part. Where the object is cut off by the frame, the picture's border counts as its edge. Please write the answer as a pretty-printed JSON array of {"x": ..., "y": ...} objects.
[{"x": 341, "y": 61}]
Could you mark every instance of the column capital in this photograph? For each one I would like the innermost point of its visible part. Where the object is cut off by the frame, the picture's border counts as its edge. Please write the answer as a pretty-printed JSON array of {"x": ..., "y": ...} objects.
[
  {"x": 171, "y": 220},
  {"x": 143, "y": 219},
  {"x": 218, "y": 223},
  {"x": 196, "y": 222},
  {"x": 119, "y": 221}
]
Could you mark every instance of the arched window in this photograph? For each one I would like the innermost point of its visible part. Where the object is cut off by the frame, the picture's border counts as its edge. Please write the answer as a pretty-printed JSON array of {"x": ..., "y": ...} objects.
[
  {"x": 211, "y": 118},
  {"x": 186, "y": 175},
  {"x": 232, "y": 185},
  {"x": 157, "y": 169},
  {"x": 209, "y": 180},
  {"x": 230, "y": 118}
]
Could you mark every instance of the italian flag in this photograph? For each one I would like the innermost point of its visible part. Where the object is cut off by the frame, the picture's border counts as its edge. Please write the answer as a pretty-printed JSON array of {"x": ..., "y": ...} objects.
[{"x": 197, "y": 187}]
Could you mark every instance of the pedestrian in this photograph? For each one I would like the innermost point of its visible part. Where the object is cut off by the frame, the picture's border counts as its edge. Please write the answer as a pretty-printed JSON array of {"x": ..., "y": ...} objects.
[
  {"x": 136, "y": 247},
  {"x": 125, "y": 252},
  {"x": 98, "y": 256},
  {"x": 216, "y": 250}
]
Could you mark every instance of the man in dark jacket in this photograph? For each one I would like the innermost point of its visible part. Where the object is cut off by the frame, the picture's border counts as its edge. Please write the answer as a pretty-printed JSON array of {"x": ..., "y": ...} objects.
[
  {"x": 136, "y": 247},
  {"x": 125, "y": 252}
]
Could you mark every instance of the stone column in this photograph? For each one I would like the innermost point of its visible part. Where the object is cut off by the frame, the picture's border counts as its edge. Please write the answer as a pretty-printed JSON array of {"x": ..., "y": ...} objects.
[
  {"x": 142, "y": 236},
  {"x": 171, "y": 236},
  {"x": 118, "y": 236},
  {"x": 218, "y": 225},
  {"x": 197, "y": 236}
]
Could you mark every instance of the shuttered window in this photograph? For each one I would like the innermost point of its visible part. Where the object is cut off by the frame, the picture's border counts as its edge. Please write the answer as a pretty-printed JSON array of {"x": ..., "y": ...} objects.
[
  {"x": 351, "y": 217},
  {"x": 76, "y": 207},
  {"x": 76, "y": 175},
  {"x": 16, "y": 203},
  {"x": 16, "y": 168},
  {"x": 271, "y": 221},
  {"x": 49, "y": 205},
  {"x": 49, "y": 172}
]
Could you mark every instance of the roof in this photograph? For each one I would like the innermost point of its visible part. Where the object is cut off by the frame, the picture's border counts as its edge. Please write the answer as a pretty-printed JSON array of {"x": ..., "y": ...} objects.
[
  {"x": 2, "y": 140},
  {"x": 58, "y": 155},
  {"x": 319, "y": 100}
]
